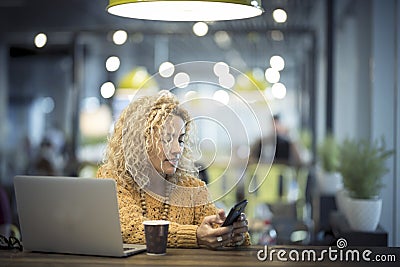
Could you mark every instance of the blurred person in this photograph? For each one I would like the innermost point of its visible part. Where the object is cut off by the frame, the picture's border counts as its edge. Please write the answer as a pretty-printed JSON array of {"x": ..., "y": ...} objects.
[
  {"x": 149, "y": 156},
  {"x": 44, "y": 164},
  {"x": 72, "y": 164},
  {"x": 287, "y": 150}
]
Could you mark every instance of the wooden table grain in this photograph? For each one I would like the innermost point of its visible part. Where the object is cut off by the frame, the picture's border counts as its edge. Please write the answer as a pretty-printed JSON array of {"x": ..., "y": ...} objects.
[{"x": 243, "y": 257}]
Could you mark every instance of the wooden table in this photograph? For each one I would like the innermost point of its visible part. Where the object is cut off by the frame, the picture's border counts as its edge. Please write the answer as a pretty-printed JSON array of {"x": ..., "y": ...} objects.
[{"x": 180, "y": 257}]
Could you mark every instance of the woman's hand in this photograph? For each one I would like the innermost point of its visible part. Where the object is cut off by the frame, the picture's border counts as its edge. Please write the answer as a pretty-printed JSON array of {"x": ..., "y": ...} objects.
[
  {"x": 240, "y": 228},
  {"x": 214, "y": 237},
  {"x": 222, "y": 236}
]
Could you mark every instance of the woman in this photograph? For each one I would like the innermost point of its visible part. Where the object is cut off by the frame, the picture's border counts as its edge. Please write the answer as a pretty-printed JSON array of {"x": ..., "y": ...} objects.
[{"x": 150, "y": 158}]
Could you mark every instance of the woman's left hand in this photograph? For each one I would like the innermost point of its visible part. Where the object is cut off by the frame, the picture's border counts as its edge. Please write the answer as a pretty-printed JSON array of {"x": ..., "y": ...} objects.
[{"x": 240, "y": 228}]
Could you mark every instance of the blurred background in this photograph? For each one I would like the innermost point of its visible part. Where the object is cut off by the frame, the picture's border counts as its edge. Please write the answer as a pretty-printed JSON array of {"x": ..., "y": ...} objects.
[{"x": 67, "y": 68}]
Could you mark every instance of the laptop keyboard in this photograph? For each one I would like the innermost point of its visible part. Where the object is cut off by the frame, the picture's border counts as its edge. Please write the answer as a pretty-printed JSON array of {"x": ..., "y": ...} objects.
[{"x": 129, "y": 247}]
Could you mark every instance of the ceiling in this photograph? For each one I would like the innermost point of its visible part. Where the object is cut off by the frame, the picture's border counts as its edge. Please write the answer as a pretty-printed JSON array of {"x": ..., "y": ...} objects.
[
  {"x": 64, "y": 20},
  {"x": 91, "y": 15}
]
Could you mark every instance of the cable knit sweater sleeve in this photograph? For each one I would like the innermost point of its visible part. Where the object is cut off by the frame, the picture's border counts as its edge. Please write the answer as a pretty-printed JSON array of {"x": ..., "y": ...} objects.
[{"x": 184, "y": 220}]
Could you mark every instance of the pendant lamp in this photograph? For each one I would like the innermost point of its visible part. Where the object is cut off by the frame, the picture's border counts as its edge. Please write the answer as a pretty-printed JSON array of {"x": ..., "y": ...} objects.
[{"x": 186, "y": 10}]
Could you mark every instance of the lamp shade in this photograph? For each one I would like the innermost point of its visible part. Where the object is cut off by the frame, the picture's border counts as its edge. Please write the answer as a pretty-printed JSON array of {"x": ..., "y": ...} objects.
[{"x": 186, "y": 10}]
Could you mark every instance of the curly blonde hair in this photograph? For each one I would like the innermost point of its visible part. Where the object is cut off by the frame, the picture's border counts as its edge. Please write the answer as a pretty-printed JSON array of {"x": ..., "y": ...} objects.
[{"x": 139, "y": 129}]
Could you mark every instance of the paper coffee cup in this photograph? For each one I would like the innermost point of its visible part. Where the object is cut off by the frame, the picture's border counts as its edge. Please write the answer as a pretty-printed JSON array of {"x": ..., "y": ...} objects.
[{"x": 156, "y": 234}]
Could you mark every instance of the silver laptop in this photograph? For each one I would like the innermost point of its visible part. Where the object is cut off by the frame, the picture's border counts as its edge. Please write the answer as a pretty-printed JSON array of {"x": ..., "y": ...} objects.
[{"x": 70, "y": 215}]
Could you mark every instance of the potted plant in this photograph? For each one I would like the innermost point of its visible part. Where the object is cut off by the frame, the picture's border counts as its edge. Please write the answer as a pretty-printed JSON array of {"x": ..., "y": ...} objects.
[
  {"x": 362, "y": 165},
  {"x": 329, "y": 178}
]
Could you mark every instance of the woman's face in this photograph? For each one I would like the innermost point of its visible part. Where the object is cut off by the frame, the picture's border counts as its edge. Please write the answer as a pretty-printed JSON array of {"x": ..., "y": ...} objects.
[{"x": 165, "y": 153}]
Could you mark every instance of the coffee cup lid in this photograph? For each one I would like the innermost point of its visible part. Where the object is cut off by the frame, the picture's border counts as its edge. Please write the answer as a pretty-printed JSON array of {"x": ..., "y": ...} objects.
[{"x": 156, "y": 222}]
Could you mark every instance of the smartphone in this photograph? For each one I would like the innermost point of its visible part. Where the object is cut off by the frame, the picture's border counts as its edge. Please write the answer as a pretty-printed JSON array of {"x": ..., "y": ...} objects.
[{"x": 235, "y": 212}]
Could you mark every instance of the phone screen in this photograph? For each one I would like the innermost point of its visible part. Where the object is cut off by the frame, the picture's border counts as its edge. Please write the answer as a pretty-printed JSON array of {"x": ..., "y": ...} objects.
[{"x": 235, "y": 212}]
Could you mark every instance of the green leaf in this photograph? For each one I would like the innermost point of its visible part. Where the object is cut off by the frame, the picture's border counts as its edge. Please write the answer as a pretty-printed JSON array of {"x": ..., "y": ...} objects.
[{"x": 362, "y": 165}]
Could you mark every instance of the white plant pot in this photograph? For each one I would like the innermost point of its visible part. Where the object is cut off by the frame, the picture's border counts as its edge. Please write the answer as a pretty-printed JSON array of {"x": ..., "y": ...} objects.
[
  {"x": 364, "y": 214},
  {"x": 329, "y": 182}
]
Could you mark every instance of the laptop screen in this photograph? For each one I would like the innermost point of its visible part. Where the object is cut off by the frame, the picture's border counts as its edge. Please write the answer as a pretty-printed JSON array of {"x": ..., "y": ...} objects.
[{"x": 69, "y": 215}]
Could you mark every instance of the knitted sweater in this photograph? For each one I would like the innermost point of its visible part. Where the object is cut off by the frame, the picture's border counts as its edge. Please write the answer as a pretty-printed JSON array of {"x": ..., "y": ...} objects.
[{"x": 184, "y": 221}]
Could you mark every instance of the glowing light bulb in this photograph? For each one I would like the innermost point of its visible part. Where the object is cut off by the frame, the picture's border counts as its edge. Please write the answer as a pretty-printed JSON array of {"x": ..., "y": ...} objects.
[
  {"x": 40, "y": 40},
  {"x": 107, "y": 89},
  {"x": 112, "y": 63},
  {"x": 166, "y": 69},
  {"x": 272, "y": 75},
  {"x": 181, "y": 80},
  {"x": 279, "y": 15},
  {"x": 277, "y": 63},
  {"x": 200, "y": 28},
  {"x": 120, "y": 37},
  {"x": 278, "y": 90}
]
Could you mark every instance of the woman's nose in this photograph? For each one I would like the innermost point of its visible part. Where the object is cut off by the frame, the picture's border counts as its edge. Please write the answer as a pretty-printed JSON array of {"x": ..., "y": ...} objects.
[{"x": 176, "y": 148}]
